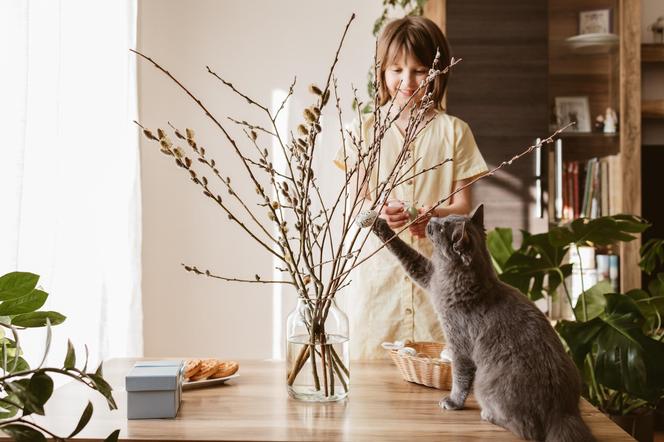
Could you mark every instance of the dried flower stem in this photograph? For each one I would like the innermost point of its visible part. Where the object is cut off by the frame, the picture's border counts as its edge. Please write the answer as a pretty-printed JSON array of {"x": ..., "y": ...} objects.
[{"x": 528, "y": 150}]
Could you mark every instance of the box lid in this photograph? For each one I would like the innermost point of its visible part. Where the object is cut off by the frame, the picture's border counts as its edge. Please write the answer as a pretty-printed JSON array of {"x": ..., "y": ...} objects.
[{"x": 154, "y": 375}]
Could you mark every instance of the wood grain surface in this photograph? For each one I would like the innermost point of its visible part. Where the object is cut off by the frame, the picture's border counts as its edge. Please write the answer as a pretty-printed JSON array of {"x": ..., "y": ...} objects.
[
  {"x": 256, "y": 407},
  {"x": 500, "y": 90},
  {"x": 630, "y": 125}
]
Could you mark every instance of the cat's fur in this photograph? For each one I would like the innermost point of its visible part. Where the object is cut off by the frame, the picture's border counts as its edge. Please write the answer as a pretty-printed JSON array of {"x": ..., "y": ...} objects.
[{"x": 502, "y": 345}]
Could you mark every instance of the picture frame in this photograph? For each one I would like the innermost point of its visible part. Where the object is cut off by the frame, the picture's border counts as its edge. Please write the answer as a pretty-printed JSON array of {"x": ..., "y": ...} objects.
[
  {"x": 573, "y": 109},
  {"x": 596, "y": 21}
]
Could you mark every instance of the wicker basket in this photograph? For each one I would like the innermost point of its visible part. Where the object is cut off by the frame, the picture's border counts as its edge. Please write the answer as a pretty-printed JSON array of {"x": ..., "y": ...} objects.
[{"x": 425, "y": 367}]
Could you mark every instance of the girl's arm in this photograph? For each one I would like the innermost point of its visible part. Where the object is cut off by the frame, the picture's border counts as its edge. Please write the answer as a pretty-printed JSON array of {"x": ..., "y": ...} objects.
[{"x": 461, "y": 204}]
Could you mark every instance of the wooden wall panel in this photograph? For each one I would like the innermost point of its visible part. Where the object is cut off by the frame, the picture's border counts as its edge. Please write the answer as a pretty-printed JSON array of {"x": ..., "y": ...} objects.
[
  {"x": 500, "y": 89},
  {"x": 630, "y": 141}
]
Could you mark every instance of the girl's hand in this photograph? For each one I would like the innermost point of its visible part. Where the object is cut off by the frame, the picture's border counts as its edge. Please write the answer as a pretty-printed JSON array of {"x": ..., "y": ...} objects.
[
  {"x": 394, "y": 214},
  {"x": 418, "y": 229}
]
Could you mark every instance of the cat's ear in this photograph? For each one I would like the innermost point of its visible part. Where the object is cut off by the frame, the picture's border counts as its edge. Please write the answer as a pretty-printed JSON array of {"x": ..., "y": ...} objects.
[
  {"x": 477, "y": 216},
  {"x": 461, "y": 245}
]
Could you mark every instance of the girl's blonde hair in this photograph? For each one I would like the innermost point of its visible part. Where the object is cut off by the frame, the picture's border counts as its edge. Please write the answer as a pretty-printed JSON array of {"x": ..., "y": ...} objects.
[{"x": 419, "y": 37}]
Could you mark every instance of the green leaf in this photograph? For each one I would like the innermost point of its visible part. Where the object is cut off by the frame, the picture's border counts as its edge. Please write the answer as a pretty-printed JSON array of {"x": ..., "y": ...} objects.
[
  {"x": 9, "y": 406},
  {"x": 83, "y": 421},
  {"x": 23, "y": 433},
  {"x": 100, "y": 370},
  {"x": 651, "y": 307},
  {"x": 25, "y": 304},
  {"x": 16, "y": 284},
  {"x": 595, "y": 300},
  {"x": 499, "y": 243},
  {"x": 626, "y": 359},
  {"x": 21, "y": 364},
  {"x": 41, "y": 386},
  {"x": 579, "y": 337},
  {"x": 599, "y": 231},
  {"x": 652, "y": 255},
  {"x": 113, "y": 437},
  {"x": 31, "y": 403},
  {"x": 70, "y": 359},
  {"x": 656, "y": 286},
  {"x": 104, "y": 388},
  {"x": 85, "y": 366},
  {"x": 37, "y": 319}
]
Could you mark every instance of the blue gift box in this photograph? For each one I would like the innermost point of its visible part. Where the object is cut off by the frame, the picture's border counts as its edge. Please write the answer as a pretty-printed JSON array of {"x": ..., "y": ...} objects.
[{"x": 154, "y": 389}]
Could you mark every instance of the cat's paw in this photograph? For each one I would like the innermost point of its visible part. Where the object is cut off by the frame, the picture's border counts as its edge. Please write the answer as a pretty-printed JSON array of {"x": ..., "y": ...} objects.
[
  {"x": 486, "y": 415},
  {"x": 448, "y": 404}
]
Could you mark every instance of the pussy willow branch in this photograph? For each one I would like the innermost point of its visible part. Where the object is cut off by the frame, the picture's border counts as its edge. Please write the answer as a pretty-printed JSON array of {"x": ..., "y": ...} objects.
[
  {"x": 312, "y": 141},
  {"x": 235, "y": 147},
  {"x": 195, "y": 270},
  {"x": 283, "y": 102},
  {"x": 528, "y": 150},
  {"x": 251, "y": 126},
  {"x": 208, "y": 161},
  {"x": 414, "y": 121},
  {"x": 210, "y": 194},
  {"x": 218, "y": 124}
]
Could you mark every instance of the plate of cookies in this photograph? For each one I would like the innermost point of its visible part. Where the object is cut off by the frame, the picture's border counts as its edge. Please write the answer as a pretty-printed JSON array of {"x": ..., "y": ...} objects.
[{"x": 208, "y": 372}]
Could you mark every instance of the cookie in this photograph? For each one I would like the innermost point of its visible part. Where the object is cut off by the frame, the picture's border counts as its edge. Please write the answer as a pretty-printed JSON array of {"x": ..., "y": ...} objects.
[
  {"x": 226, "y": 369},
  {"x": 207, "y": 368},
  {"x": 191, "y": 367}
]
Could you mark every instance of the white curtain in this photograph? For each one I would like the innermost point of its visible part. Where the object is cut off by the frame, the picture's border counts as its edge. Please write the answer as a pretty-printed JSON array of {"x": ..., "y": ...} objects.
[{"x": 69, "y": 168}]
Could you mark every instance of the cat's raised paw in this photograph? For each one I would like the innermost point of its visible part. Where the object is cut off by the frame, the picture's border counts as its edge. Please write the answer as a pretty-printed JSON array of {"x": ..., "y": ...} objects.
[{"x": 448, "y": 404}]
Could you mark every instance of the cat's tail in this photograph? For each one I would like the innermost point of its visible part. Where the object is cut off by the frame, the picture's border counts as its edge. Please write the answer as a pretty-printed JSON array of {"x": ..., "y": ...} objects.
[{"x": 569, "y": 428}]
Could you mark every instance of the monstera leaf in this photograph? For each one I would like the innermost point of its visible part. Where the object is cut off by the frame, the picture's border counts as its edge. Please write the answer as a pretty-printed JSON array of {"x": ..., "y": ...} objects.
[
  {"x": 595, "y": 301},
  {"x": 527, "y": 268},
  {"x": 499, "y": 242},
  {"x": 651, "y": 306},
  {"x": 625, "y": 359},
  {"x": 599, "y": 231},
  {"x": 652, "y": 255}
]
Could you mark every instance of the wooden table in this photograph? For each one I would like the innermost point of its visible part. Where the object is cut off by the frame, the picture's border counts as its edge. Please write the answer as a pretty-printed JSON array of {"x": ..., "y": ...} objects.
[{"x": 255, "y": 407}]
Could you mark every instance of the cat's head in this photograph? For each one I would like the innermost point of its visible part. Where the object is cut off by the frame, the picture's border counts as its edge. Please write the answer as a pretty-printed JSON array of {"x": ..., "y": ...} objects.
[{"x": 458, "y": 238}]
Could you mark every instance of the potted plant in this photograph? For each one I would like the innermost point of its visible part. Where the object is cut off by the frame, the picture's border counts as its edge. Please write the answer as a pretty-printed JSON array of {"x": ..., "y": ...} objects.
[
  {"x": 652, "y": 303},
  {"x": 23, "y": 389},
  {"x": 610, "y": 339}
]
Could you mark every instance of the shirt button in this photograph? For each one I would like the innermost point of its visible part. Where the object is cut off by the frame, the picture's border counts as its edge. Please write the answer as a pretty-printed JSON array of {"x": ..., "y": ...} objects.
[
  {"x": 409, "y": 182},
  {"x": 409, "y": 311},
  {"x": 406, "y": 278}
]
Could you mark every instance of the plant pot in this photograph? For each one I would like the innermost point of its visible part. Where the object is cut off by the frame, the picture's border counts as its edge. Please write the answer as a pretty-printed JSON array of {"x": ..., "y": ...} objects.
[
  {"x": 659, "y": 416},
  {"x": 639, "y": 425}
]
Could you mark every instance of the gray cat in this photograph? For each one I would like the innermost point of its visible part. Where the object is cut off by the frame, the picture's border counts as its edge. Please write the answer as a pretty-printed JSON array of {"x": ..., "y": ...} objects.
[{"x": 500, "y": 342}]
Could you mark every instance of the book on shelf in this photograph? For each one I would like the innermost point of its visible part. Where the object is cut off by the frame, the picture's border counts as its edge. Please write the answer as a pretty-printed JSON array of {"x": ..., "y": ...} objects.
[{"x": 583, "y": 189}]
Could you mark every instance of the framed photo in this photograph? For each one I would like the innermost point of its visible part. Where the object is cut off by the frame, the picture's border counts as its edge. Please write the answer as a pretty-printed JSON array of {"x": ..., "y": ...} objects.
[
  {"x": 597, "y": 21},
  {"x": 573, "y": 110}
]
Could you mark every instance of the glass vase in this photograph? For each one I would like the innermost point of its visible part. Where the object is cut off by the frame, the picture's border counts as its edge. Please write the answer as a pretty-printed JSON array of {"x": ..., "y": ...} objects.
[{"x": 317, "y": 351}]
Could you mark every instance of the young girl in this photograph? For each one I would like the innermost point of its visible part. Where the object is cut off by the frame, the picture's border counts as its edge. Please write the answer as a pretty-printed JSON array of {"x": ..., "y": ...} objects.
[{"x": 385, "y": 305}]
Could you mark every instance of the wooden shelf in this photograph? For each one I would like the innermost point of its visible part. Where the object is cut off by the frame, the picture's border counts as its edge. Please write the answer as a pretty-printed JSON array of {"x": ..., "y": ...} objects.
[
  {"x": 652, "y": 53},
  {"x": 652, "y": 109},
  {"x": 584, "y": 146}
]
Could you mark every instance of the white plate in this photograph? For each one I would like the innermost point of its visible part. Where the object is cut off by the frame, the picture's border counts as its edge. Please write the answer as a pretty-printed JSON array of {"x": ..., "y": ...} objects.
[
  {"x": 593, "y": 38},
  {"x": 207, "y": 382}
]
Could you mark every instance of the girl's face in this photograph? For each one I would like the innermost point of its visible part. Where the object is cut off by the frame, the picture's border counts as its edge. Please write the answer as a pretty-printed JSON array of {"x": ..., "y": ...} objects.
[{"x": 402, "y": 78}]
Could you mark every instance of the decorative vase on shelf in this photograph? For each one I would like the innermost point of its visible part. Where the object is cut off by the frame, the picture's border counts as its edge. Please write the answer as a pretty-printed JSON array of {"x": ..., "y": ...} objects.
[{"x": 317, "y": 351}]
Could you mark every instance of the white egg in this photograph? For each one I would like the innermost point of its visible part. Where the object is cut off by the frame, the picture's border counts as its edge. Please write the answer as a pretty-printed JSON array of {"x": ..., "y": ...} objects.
[
  {"x": 366, "y": 218},
  {"x": 407, "y": 351}
]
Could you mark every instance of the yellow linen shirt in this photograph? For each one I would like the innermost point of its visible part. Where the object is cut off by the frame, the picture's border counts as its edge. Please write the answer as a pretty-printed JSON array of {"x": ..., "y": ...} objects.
[{"x": 384, "y": 303}]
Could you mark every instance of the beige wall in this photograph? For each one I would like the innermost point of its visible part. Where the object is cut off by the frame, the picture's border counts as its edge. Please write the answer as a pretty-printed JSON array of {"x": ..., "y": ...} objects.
[{"x": 259, "y": 46}]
